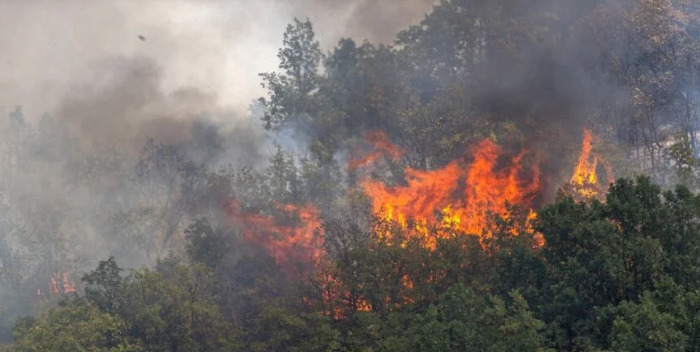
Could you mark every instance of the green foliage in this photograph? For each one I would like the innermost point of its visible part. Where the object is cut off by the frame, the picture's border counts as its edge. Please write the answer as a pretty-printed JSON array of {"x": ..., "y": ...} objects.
[
  {"x": 619, "y": 275},
  {"x": 682, "y": 154},
  {"x": 105, "y": 287},
  {"x": 204, "y": 244},
  {"x": 280, "y": 330},
  {"x": 642, "y": 327},
  {"x": 171, "y": 309},
  {"x": 290, "y": 92},
  {"x": 463, "y": 320},
  {"x": 602, "y": 260},
  {"x": 174, "y": 309},
  {"x": 74, "y": 327}
]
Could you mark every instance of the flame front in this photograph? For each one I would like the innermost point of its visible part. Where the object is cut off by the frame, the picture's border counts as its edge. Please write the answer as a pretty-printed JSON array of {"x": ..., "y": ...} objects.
[{"x": 456, "y": 198}]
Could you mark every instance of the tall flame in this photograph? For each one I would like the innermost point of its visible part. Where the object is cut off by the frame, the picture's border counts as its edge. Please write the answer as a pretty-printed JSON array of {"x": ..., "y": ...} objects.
[
  {"x": 584, "y": 180},
  {"x": 433, "y": 204},
  {"x": 585, "y": 170}
]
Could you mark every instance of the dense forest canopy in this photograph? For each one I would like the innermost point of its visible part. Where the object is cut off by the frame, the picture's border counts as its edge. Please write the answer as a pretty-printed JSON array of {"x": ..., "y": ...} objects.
[{"x": 506, "y": 176}]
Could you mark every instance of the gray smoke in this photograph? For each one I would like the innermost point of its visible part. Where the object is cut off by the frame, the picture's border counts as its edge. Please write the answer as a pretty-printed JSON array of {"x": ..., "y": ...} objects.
[{"x": 217, "y": 47}]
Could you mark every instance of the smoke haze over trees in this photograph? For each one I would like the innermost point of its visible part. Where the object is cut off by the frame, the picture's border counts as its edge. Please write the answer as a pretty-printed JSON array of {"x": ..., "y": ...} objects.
[{"x": 197, "y": 176}]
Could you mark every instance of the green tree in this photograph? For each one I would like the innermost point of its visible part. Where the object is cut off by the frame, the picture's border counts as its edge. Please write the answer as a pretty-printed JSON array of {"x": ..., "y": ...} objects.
[
  {"x": 682, "y": 154},
  {"x": 642, "y": 327},
  {"x": 291, "y": 91},
  {"x": 173, "y": 309},
  {"x": 74, "y": 327},
  {"x": 105, "y": 286},
  {"x": 281, "y": 330},
  {"x": 465, "y": 321}
]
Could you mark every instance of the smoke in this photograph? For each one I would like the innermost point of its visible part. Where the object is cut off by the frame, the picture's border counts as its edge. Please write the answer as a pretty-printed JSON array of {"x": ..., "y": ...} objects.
[
  {"x": 373, "y": 20},
  {"x": 217, "y": 47},
  {"x": 125, "y": 104},
  {"x": 543, "y": 70},
  {"x": 117, "y": 73}
]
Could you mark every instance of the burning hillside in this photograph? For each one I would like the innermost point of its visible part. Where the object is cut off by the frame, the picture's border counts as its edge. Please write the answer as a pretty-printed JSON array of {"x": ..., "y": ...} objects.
[
  {"x": 457, "y": 199},
  {"x": 359, "y": 195}
]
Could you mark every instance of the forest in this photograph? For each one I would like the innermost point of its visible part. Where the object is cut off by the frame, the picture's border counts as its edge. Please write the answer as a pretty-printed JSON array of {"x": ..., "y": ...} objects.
[{"x": 505, "y": 176}]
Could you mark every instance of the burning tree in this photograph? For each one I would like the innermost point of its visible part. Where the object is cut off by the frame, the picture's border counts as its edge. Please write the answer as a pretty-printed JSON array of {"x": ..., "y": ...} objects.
[
  {"x": 585, "y": 182},
  {"x": 460, "y": 197}
]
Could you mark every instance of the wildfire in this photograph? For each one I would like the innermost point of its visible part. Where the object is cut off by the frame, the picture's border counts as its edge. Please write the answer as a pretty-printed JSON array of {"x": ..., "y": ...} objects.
[
  {"x": 293, "y": 237},
  {"x": 457, "y": 198}
]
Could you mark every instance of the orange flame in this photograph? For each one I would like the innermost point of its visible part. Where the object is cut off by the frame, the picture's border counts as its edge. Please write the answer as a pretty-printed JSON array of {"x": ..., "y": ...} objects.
[
  {"x": 463, "y": 197},
  {"x": 456, "y": 199},
  {"x": 295, "y": 240},
  {"x": 585, "y": 170}
]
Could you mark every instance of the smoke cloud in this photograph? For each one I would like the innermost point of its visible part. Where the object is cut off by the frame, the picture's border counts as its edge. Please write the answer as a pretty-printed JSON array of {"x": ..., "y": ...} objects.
[{"x": 217, "y": 47}]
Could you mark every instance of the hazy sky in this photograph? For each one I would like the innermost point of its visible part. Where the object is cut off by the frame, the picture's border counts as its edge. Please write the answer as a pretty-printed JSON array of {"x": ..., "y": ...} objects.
[{"x": 54, "y": 48}]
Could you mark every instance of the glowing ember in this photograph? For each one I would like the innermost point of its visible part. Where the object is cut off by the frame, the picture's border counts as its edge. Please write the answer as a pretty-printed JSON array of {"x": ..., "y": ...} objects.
[
  {"x": 463, "y": 197},
  {"x": 292, "y": 240}
]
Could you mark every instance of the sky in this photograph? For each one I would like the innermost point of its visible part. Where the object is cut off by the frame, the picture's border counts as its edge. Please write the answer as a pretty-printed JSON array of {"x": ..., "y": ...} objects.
[{"x": 58, "y": 50}]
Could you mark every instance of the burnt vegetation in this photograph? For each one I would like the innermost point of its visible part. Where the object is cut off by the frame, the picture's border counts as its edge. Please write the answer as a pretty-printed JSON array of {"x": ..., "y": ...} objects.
[{"x": 419, "y": 196}]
